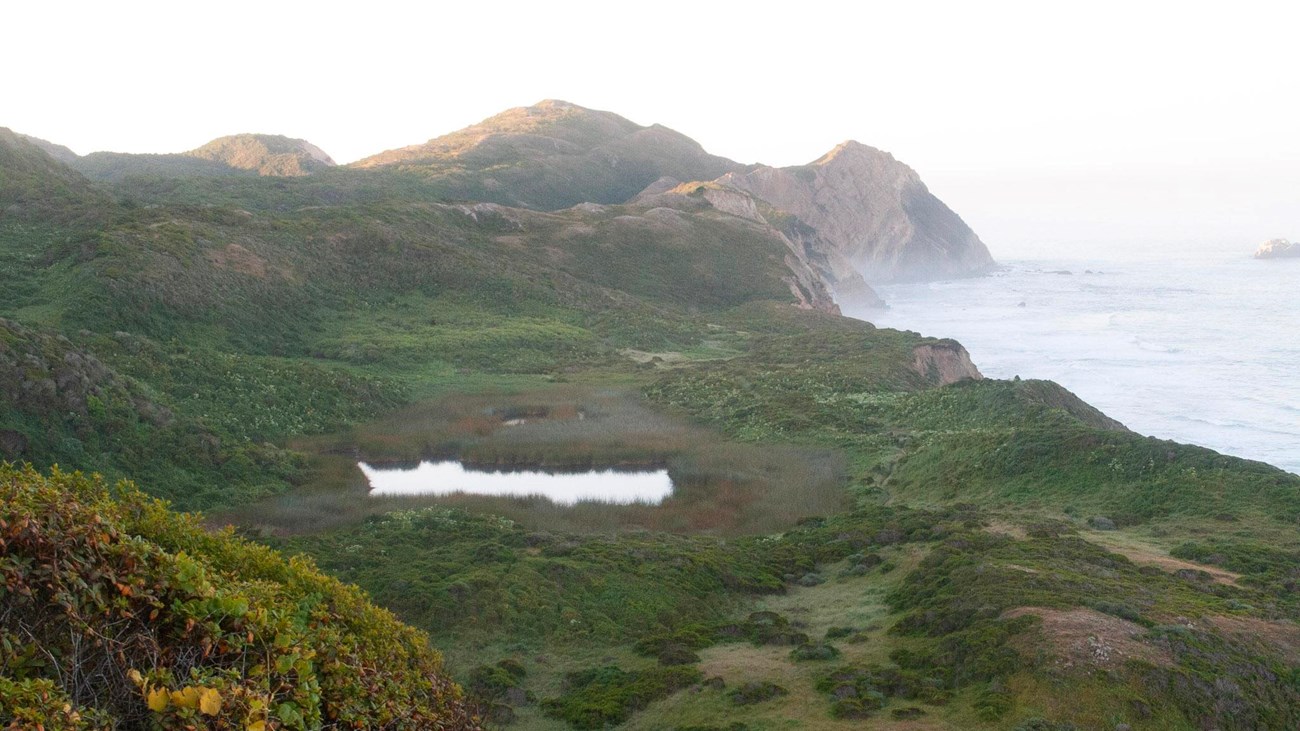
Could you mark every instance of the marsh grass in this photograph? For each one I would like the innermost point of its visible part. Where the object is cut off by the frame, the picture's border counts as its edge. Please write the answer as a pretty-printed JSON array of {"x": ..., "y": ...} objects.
[{"x": 721, "y": 486}]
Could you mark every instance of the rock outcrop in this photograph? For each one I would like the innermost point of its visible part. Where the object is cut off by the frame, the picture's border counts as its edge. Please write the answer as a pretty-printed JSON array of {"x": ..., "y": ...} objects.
[
  {"x": 1278, "y": 249},
  {"x": 812, "y": 286},
  {"x": 814, "y": 282},
  {"x": 943, "y": 362},
  {"x": 873, "y": 214}
]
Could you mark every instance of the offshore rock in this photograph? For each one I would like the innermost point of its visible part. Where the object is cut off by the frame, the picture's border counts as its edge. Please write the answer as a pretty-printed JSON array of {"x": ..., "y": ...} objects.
[{"x": 1278, "y": 249}]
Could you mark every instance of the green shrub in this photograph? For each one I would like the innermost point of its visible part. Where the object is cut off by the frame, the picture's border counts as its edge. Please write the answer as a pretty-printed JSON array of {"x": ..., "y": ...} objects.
[
  {"x": 490, "y": 682},
  {"x": 993, "y": 702},
  {"x": 601, "y": 697},
  {"x": 756, "y": 692},
  {"x": 804, "y": 653},
  {"x": 677, "y": 655}
]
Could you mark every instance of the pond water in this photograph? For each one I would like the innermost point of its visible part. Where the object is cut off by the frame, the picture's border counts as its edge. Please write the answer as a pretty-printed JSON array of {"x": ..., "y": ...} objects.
[{"x": 566, "y": 488}]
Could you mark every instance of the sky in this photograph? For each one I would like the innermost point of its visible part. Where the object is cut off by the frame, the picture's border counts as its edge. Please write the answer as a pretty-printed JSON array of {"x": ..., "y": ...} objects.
[{"x": 1047, "y": 125}]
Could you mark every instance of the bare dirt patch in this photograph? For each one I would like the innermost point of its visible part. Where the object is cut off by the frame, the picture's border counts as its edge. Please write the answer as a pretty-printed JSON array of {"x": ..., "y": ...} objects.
[
  {"x": 1085, "y": 638},
  {"x": 237, "y": 258},
  {"x": 1145, "y": 556},
  {"x": 644, "y": 356},
  {"x": 513, "y": 241},
  {"x": 1005, "y": 528}
]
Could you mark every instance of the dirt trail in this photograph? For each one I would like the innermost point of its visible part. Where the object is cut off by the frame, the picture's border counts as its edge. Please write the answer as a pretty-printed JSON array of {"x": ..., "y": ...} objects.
[{"x": 1150, "y": 556}]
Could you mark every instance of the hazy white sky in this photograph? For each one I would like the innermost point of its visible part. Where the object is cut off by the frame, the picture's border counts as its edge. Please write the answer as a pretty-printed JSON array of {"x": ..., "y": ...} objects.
[{"x": 1118, "y": 120}]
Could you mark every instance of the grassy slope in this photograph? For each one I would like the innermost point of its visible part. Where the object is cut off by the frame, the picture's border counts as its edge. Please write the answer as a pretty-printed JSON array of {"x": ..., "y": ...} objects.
[{"x": 252, "y": 327}]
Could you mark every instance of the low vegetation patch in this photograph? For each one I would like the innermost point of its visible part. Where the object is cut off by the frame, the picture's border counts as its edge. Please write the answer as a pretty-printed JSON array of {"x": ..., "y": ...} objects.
[
  {"x": 606, "y": 696},
  {"x": 463, "y": 574}
]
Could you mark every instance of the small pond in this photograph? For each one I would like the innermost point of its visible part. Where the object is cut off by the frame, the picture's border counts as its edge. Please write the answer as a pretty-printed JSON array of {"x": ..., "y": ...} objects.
[{"x": 620, "y": 487}]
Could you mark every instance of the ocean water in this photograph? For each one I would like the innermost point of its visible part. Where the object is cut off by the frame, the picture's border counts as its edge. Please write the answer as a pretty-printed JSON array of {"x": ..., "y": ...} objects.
[{"x": 1201, "y": 347}]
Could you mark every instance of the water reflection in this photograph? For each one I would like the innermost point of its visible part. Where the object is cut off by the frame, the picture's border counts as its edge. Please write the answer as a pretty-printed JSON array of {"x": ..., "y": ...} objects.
[{"x": 565, "y": 488}]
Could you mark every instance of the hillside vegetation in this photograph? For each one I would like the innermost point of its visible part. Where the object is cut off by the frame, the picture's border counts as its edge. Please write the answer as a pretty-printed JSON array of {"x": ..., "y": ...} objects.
[
  {"x": 119, "y": 613},
  {"x": 863, "y": 530},
  {"x": 234, "y": 155}
]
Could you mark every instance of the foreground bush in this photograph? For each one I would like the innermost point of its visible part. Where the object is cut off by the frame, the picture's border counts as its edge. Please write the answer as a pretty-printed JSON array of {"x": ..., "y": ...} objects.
[{"x": 118, "y": 613}]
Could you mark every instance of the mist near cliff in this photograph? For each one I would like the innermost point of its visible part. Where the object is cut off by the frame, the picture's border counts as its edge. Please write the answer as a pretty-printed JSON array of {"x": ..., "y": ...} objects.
[{"x": 1126, "y": 212}]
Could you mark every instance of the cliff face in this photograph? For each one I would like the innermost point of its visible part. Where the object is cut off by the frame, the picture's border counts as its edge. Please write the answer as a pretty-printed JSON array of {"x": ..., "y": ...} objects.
[
  {"x": 873, "y": 215},
  {"x": 813, "y": 286},
  {"x": 944, "y": 362},
  {"x": 811, "y": 282}
]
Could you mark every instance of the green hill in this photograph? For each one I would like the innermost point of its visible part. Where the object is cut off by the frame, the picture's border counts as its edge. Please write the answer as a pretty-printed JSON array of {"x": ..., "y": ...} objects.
[
  {"x": 274, "y": 155},
  {"x": 554, "y": 155},
  {"x": 234, "y": 155},
  {"x": 116, "y": 166},
  {"x": 36, "y": 187}
]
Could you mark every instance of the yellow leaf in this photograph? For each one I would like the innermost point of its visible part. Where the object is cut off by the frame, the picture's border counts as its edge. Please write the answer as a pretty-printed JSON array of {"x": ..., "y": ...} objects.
[
  {"x": 210, "y": 702},
  {"x": 257, "y": 726},
  {"x": 135, "y": 676},
  {"x": 157, "y": 700},
  {"x": 187, "y": 697}
]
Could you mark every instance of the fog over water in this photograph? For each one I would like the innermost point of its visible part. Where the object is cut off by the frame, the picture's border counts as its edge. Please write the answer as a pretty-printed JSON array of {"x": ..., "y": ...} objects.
[{"x": 1197, "y": 343}]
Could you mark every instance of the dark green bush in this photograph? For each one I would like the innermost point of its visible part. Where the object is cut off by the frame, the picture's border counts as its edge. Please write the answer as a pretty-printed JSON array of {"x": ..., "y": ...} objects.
[
  {"x": 606, "y": 696},
  {"x": 993, "y": 702},
  {"x": 805, "y": 653},
  {"x": 756, "y": 692}
]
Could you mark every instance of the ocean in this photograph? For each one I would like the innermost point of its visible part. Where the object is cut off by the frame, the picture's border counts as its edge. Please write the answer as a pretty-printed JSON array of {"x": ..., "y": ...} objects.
[{"x": 1200, "y": 347}]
